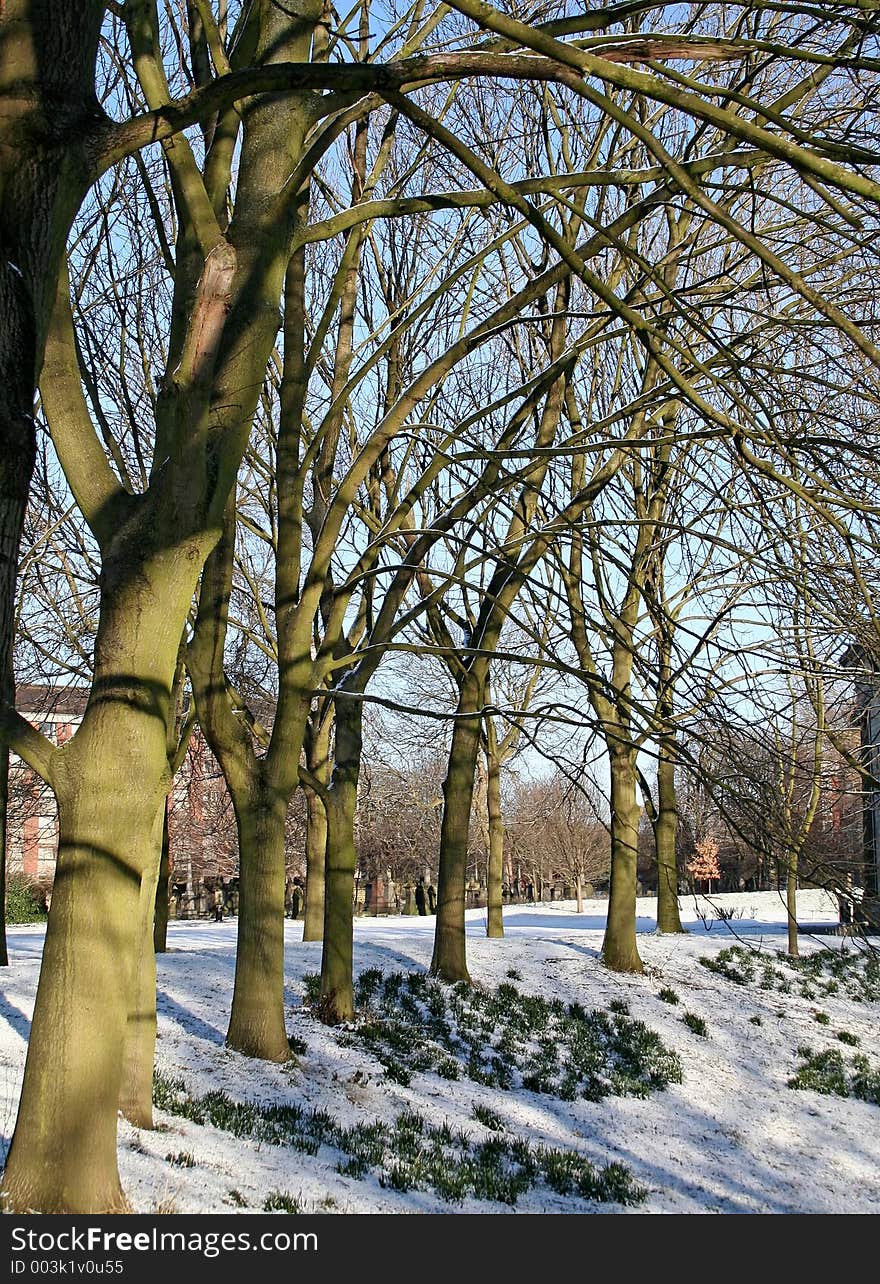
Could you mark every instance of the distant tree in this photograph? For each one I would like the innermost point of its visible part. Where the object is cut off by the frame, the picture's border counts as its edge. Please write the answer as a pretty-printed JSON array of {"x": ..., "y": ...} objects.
[
  {"x": 703, "y": 866},
  {"x": 556, "y": 831}
]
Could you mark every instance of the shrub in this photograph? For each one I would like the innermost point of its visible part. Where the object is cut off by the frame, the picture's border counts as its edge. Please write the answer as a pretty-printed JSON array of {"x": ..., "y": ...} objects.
[
  {"x": 279, "y": 1201},
  {"x": 824, "y": 1072},
  {"x": 488, "y": 1118},
  {"x": 696, "y": 1024},
  {"x": 412, "y": 1154},
  {"x": 668, "y": 996},
  {"x": 827, "y": 1072},
  {"x": 506, "y": 1039},
  {"x": 23, "y": 901}
]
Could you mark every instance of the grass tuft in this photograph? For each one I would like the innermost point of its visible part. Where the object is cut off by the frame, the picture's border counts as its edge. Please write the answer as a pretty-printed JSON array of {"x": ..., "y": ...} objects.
[
  {"x": 506, "y": 1039},
  {"x": 411, "y": 1154}
]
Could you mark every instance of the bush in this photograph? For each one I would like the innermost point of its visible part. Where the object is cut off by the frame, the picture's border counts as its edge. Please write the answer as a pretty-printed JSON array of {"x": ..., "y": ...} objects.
[
  {"x": 696, "y": 1024},
  {"x": 410, "y": 1154},
  {"x": 823, "y": 1072},
  {"x": 816, "y": 975},
  {"x": 280, "y": 1201},
  {"x": 24, "y": 901},
  {"x": 506, "y": 1039},
  {"x": 827, "y": 1072},
  {"x": 845, "y": 1036}
]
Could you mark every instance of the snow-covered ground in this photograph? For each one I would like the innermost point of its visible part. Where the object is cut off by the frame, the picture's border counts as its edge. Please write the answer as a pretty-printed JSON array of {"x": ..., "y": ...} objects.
[{"x": 732, "y": 1137}]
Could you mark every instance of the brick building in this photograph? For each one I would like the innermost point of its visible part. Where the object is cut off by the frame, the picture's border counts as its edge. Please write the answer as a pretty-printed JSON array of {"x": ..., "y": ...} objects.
[{"x": 200, "y": 817}]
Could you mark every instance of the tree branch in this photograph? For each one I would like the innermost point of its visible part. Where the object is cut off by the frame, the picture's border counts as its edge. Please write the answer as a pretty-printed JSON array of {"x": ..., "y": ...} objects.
[{"x": 30, "y": 744}]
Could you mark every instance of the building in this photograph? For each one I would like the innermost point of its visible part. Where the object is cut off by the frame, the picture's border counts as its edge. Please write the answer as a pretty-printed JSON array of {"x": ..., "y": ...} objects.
[
  {"x": 32, "y": 824},
  {"x": 201, "y": 822}
]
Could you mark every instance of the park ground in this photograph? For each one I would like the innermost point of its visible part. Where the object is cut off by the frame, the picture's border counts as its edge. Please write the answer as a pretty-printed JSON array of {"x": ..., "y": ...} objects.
[{"x": 733, "y": 1136}]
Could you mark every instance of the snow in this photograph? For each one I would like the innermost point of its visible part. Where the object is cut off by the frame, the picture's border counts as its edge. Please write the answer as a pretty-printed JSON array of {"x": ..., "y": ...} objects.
[{"x": 731, "y": 1138}]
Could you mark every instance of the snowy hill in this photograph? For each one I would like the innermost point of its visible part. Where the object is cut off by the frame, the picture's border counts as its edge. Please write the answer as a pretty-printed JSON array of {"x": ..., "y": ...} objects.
[{"x": 721, "y": 1004}]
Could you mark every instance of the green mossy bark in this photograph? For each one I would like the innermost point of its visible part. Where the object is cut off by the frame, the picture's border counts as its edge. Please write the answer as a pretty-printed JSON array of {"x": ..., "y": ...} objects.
[
  {"x": 337, "y": 982},
  {"x": 665, "y": 829},
  {"x": 256, "y": 1022},
  {"x": 110, "y": 781},
  {"x": 619, "y": 949},
  {"x": 791, "y": 882},
  {"x": 316, "y": 854},
  {"x": 136, "y": 1092},
  {"x": 449, "y": 959},
  {"x": 318, "y": 761},
  {"x": 495, "y": 874},
  {"x": 47, "y": 91}
]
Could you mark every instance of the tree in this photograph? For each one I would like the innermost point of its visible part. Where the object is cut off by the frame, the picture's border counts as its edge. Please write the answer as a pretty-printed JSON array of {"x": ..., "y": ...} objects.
[
  {"x": 557, "y": 831},
  {"x": 111, "y": 779},
  {"x": 50, "y": 111},
  {"x": 273, "y": 106},
  {"x": 703, "y": 866}
]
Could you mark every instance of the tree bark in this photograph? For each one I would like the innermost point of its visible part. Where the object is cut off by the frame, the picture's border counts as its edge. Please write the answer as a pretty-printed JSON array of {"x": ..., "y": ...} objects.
[
  {"x": 791, "y": 882},
  {"x": 665, "y": 828},
  {"x": 4, "y": 811},
  {"x": 260, "y": 789},
  {"x": 111, "y": 778},
  {"x": 337, "y": 957},
  {"x": 449, "y": 960},
  {"x": 136, "y": 1094},
  {"x": 110, "y": 781},
  {"x": 47, "y": 105},
  {"x": 16, "y": 466},
  {"x": 495, "y": 878},
  {"x": 316, "y": 854},
  {"x": 619, "y": 949},
  {"x": 318, "y": 762},
  {"x": 256, "y": 1023}
]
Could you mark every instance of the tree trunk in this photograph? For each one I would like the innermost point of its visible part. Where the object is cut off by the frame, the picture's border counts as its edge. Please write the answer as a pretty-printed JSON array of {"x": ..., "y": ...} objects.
[
  {"x": 791, "y": 882},
  {"x": 619, "y": 950},
  {"x": 318, "y": 762},
  {"x": 47, "y": 87},
  {"x": 4, "y": 809},
  {"x": 495, "y": 878},
  {"x": 136, "y": 1094},
  {"x": 316, "y": 854},
  {"x": 337, "y": 957},
  {"x": 256, "y": 1023},
  {"x": 449, "y": 960},
  {"x": 665, "y": 828},
  {"x": 16, "y": 466},
  {"x": 160, "y": 915},
  {"x": 110, "y": 780},
  {"x": 579, "y": 893}
]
